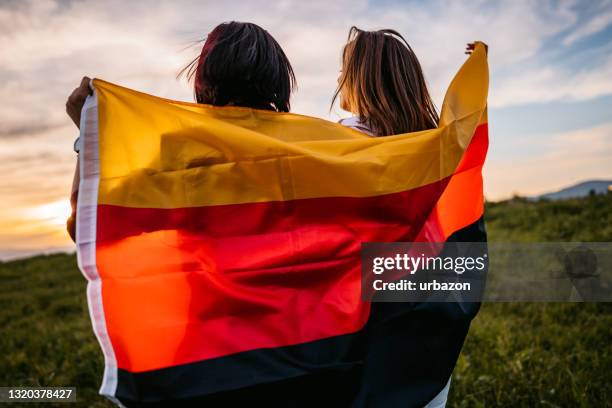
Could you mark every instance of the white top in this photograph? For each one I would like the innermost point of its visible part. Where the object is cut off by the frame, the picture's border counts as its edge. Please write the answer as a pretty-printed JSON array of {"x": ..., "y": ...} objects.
[{"x": 355, "y": 122}]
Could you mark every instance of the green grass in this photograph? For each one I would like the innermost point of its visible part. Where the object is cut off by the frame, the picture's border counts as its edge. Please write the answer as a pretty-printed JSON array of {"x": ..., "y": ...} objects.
[
  {"x": 47, "y": 339},
  {"x": 540, "y": 354},
  {"x": 524, "y": 355},
  {"x": 517, "y": 355}
]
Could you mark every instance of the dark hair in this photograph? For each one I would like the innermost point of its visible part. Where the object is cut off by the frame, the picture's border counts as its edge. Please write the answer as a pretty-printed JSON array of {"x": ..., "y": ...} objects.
[
  {"x": 242, "y": 64},
  {"x": 382, "y": 82}
]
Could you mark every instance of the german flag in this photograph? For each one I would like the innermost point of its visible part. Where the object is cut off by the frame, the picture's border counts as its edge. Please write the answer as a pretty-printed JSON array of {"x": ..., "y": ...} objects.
[{"x": 222, "y": 248}]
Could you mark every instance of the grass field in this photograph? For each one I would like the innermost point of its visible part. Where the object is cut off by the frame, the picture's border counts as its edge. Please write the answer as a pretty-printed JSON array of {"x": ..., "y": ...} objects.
[{"x": 516, "y": 355}]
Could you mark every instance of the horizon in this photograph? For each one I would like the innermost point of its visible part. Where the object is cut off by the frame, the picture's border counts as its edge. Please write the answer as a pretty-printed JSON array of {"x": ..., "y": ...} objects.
[
  {"x": 11, "y": 255},
  {"x": 549, "y": 119}
]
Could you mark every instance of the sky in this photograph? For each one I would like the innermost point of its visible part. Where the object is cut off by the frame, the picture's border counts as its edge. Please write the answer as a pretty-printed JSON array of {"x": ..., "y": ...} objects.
[{"x": 550, "y": 94}]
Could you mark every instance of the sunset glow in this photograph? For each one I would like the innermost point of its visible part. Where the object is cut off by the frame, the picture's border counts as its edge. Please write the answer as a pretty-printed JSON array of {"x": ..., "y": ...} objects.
[
  {"x": 549, "y": 98},
  {"x": 53, "y": 214}
]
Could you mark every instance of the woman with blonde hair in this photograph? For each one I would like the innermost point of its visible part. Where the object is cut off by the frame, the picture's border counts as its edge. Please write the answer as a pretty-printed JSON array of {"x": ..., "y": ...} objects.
[{"x": 382, "y": 84}]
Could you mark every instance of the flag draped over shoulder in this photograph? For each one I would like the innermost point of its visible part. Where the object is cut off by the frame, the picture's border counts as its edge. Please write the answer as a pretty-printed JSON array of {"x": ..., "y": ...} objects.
[{"x": 221, "y": 247}]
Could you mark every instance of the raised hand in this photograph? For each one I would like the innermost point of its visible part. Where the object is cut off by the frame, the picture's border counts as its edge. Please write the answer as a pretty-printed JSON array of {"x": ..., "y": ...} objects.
[
  {"x": 75, "y": 101},
  {"x": 471, "y": 46}
]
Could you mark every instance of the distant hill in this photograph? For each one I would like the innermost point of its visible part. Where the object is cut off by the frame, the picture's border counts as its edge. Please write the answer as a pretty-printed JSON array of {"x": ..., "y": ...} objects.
[{"x": 577, "y": 190}]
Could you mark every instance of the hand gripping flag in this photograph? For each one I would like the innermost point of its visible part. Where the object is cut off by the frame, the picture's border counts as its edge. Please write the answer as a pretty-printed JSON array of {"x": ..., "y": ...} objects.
[{"x": 221, "y": 248}]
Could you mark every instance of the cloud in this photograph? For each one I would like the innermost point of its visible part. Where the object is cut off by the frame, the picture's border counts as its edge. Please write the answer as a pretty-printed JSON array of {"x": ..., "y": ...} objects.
[
  {"x": 599, "y": 22},
  {"x": 566, "y": 158},
  {"x": 47, "y": 46},
  {"x": 550, "y": 83}
]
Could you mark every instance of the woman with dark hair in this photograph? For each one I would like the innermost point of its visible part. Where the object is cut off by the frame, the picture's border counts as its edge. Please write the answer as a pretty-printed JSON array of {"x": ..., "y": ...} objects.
[{"x": 241, "y": 64}]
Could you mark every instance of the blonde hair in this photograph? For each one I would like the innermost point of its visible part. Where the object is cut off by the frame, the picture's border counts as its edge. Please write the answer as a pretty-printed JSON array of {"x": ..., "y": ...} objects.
[{"x": 382, "y": 82}]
